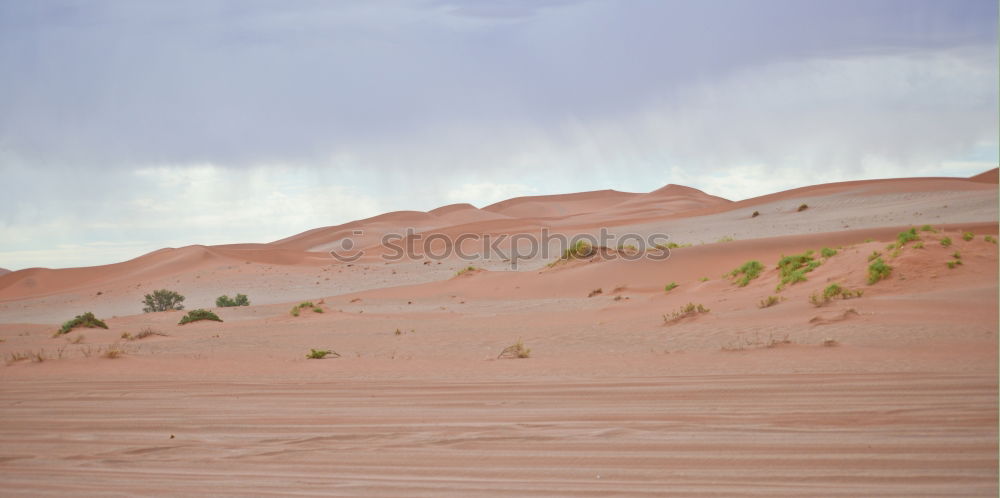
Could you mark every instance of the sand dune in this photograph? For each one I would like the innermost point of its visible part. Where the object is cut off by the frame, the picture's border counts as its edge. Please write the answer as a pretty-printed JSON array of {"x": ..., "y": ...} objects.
[{"x": 890, "y": 392}]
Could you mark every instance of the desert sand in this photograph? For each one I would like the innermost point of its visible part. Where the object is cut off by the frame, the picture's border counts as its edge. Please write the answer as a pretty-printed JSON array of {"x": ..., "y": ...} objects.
[{"x": 893, "y": 392}]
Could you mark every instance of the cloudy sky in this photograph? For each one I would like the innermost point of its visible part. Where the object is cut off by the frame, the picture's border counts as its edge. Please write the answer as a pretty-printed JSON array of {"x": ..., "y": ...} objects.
[{"x": 126, "y": 126}]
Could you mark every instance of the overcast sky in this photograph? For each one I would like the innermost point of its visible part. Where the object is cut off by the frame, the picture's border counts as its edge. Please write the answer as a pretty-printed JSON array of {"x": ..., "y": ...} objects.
[{"x": 127, "y": 126}]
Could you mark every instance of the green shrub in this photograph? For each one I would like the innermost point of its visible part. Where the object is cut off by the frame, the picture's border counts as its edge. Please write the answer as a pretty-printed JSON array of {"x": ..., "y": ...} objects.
[
  {"x": 826, "y": 252},
  {"x": 878, "y": 270},
  {"x": 874, "y": 255},
  {"x": 305, "y": 304},
  {"x": 749, "y": 271},
  {"x": 919, "y": 245},
  {"x": 928, "y": 228},
  {"x": 953, "y": 264},
  {"x": 946, "y": 241},
  {"x": 990, "y": 239},
  {"x": 671, "y": 286},
  {"x": 907, "y": 236},
  {"x": 162, "y": 300},
  {"x": 199, "y": 314},
  {"x": 319, "y": 354},
  {"x": 227, "y": 302},
  {"x": 834, "y": 291},
  {"x": 967, "y": 236},
  {"x": 87, "y": 320},
  {"x": 465, "y": 270},
  {"x": 794, "y": 268},
  {"x": 689, "y": 309},
  {"x": 581, "y": 249}
]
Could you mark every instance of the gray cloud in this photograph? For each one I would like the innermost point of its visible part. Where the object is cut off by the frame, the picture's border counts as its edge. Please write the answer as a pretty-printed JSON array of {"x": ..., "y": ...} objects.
[{"x": 369, "y": 99}]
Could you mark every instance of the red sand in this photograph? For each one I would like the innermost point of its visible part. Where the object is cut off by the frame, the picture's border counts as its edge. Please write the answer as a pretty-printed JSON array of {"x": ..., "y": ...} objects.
[{"x": 890, "y": 393}]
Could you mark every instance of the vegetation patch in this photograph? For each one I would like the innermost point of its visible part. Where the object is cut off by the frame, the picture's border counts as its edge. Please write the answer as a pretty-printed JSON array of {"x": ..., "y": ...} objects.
[
  {"x": 595, "y": 292},
  {"x": 990, "y": 239},
  {"x": 142, "y": 334},
  {"x": 303, "y": 305},
  {"x": 834, "y": 291},
  {"x": 827, "y": 252},
  {"x": 747, "y": 272},
  {"x": 873, "y": 256},
  {"x": 162, "y": 300},
  {"x": 928, "y": 228},
  {"x": 905, "y": 237},
  {"x": 802, "y": 207},
  {"x": 465, "y": 270},
  {"x": 671, "y": 286},
  {"x": 967, "y": 236},
  {"x": 955, "y": 262},
  {"x": 228, "y": 302},
  {"x": 515, "y": 351},
  {"x": 86, "y": 320},
  {"x": 769, "y": 301},
  {"x": 671, "y": 245},
  {"x": 878, "y": 270},
  {"x": 319, "y": 354},
  {"x": 755, "y": 214},
  {"x": 199, "y": 314},
  {"x": 688, "y": 310},
  {"x": 794, "y": 268},
  {"x": 945, "y": 242}
]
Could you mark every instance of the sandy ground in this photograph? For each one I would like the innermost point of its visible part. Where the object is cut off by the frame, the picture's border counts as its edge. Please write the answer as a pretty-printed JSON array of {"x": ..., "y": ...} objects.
[{"x": 890, "y": 393}]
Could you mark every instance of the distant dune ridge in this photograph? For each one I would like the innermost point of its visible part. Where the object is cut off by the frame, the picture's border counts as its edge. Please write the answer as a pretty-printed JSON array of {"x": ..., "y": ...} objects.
[{"x": 631, "y": 378}]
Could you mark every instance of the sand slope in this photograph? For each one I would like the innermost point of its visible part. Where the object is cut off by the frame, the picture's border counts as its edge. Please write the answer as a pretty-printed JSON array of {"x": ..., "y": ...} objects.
[{"x": 890, "y": 393}]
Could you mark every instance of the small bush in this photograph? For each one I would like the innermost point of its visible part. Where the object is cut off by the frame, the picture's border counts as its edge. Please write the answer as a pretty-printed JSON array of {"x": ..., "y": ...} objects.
[
  {"x": 967, "y": 236},
  {"x": 465, "y": 270},
  {"x": 928, "y": 228},
  {"x": 834, "y": 291},
  {"x": 727, "y": 238},
  {"x": 769, "y": 301},
  {"x": 199, "y": 314},
  {"x": 749, "y": 271},
  {"x": 703, "y": 279},
  {"x": 953, "y": 264},
  {"x": 873, "y": 256},
  {"x": 918, "y": 245},
  {"x": 303, "y": 305},
  {"x": 319, "y": 354},
  {"x": 946, "y": 241},
  {"x": 755, "y": 214},
  {"x": 671, "y": 286},
  {"x": 689, "y": 309},
  {"x": 581, "y": 249},
  {"x": 794, "y": 268},
  {"x": 908, "y": 236},
  {"x": 142, "y": 334},
  {"x": 114, "y": 351},
  {"x": 826, "y": 252},
  {"x": 990, "y": 239},
  {"x": 227, "y": 302},
  {"x": 87, "y": 320},
  {"x": 802, "y": 207},
  {"x": 515, "y": 351},
  {"x": 162, "y": 300},
  {"x": 595, "y": 292},
  {"x": 878, "y": 270}
]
